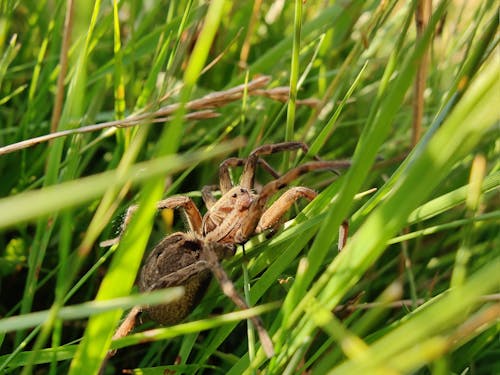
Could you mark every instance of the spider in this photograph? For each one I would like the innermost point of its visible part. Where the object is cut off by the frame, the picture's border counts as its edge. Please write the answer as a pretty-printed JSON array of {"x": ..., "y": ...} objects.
[{"x": 190, "y": 258}]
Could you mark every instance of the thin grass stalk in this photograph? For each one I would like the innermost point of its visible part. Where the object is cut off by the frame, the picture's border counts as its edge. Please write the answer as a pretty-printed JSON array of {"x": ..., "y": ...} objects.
[{"x": 294, "y": 76}]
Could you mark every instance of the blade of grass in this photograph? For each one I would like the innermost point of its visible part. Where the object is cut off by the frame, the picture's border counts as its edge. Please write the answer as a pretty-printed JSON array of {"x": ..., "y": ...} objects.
[
  {"x": 72, "y": 109},
  {"x": 294, "y": 77},
  {"x": 364, "y": 156},
  {"x": 460, "y": 133},
  {"x": 86, "y": 309},
  {"x": 428, "y": 320},
  {"x": 472, "y": 203},
  {"x": 98, "y": 334},
  {"x": 34, "y": 204}
]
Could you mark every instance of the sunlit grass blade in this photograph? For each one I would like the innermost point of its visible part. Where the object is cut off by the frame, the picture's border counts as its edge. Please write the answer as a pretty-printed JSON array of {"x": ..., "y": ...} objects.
[
  {"x": 30, "y": 205},
  {"x": 428, "y": 321},
  {"x": 89, "y": 308},
  {"x": 460, "y": 133}
]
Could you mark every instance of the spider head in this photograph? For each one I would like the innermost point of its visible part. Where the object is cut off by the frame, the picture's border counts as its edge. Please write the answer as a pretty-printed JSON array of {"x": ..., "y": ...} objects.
[
  {"x": 239, "y": 198},
  {"x": 223, "y": 219}
]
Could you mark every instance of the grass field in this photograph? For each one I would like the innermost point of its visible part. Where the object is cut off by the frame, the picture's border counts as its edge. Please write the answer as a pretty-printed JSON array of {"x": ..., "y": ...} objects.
[{"x": 413, "y": 105}]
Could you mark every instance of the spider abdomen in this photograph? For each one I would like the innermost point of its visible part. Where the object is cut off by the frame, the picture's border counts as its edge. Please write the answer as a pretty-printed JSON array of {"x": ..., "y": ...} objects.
[
  {"x": 170, "y": 264},
  {"x": 175, "y": 312}
]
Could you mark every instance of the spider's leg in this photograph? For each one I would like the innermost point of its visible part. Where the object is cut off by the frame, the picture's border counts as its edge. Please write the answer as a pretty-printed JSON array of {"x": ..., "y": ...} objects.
[
  {"x": 123, "y": 330},
  {"x": 207, "y": 195},
  {"x": 180, "y": 277},
  {"x": 257, "y": 207},
  {"x": 191, "y": 212},
  {"x": 248, "y": 176},
  {"x": 273, "y": 214},
  {"x": 264, "y": 164},
  {"x": 128, "y": 323},
  {"x": 229, "y": 290},
  {"x": 189, "y": 209},
  {"x": 225, "y": 179}
]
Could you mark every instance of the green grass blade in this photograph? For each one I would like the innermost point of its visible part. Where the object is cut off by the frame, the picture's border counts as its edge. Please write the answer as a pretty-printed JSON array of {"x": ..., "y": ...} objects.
[{"x": 90, "y": 308}]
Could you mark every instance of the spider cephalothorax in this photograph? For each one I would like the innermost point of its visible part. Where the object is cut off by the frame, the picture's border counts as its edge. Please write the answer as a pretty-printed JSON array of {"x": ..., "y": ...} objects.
[
  {"x": 223, "y": 219},
  {"x": 189, "y": 259}
]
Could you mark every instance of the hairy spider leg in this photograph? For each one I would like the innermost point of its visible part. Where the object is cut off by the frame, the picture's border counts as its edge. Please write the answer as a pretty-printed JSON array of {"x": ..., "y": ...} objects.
[
  {"x": 224, "y": 217},
  {"x": 224, "y": 178},
  {"x": 207, "y": 195},
  {"x": 229, "y": 290},
  {"x": 123, "y": 330},
  {"x": 179, "y": 277},
  {"x": 127, "y": 326},
  {"x": 189, "y": 209},
  {"x": 270, "y": 218},
  {"x": 257, "y": 207},
  {"x": 247, "y": 179}
]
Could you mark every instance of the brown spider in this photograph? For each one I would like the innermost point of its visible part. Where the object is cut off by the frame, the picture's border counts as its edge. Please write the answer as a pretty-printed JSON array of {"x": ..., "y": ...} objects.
[{"x": 189, "y": 259}]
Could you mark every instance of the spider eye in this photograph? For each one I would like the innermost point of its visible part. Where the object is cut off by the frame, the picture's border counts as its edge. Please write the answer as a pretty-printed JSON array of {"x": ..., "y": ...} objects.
[
  {"x": 242, "y": 191},
  {"x": 234, "y": 195}
]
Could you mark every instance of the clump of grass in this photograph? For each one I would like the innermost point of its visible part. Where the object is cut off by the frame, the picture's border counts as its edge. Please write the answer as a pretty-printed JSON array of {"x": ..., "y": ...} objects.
[{"x": 414, "y": 290}]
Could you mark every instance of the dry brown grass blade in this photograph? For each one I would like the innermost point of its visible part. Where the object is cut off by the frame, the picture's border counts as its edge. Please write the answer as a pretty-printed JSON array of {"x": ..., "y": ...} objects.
[
  {"x": 282, "y": 94},
  {"x": 245, "y": 48},
  {"x": 422, "y": 16},
  {"x": 404, "y": 303},
  {"x": 63, "y": 58},
  {"x": 202, "y": 109},
  {"x": 212, "y": 100},
  {"x": 131, "y": 121}
]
